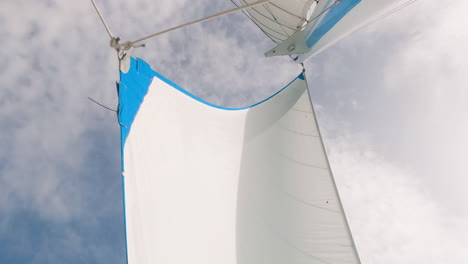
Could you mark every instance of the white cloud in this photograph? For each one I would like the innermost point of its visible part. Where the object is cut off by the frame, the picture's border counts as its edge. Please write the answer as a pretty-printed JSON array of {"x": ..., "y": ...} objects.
[
  {"x": 429, "y": 73},
  {"x": 392, "y": 216},
  {"x": 407, "y": 74}
]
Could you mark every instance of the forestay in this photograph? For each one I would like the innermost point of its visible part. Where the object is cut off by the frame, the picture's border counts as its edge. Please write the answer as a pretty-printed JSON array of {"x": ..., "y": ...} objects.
[{"x": 208, "y": 184}]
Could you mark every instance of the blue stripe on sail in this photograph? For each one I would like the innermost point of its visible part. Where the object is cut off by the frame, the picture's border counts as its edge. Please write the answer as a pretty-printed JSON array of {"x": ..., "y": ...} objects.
[
  {"x": 133, "y": 88},
  {"x": 333, "y": 16}
]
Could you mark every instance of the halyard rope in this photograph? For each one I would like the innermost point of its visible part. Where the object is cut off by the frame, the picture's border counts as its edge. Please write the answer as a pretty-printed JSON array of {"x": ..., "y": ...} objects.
[{"x": 102, "y": 19}]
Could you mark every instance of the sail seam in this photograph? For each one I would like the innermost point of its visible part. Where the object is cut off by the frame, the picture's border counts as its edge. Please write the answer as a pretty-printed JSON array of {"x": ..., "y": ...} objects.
[
  {"x": 272, "y": 20},
  {"x": 277, "y": 21},
  {"x": 269, "y": 28},
  {"x": 272, "y": 38},
  {"x": 286, "y": 11},
  {"x": 302, "y": 163},
  {"x": 296, "y": 132}
]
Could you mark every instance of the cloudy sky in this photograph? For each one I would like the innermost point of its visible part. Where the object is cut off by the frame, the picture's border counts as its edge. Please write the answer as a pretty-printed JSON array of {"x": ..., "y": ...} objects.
[{"x": 391, "y": 101}]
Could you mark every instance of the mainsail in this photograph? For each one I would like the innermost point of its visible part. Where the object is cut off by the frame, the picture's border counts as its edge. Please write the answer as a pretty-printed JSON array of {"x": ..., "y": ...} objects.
[{"x": 208, "y": 184}]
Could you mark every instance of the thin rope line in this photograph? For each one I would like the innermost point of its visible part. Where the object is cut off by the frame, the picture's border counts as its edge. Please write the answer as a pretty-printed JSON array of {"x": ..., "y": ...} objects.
[
  {"x": 272, "y": 30},
  {"x": 275, "y": 40},
  {"x": 96, "y": 102},
  {"x": 286, "y": 11},
  {"x": 277, "y": 21},
  {"x": 259, "y": 23},
  {"x": 260, "y": 2},
  {"x": 396, "y": 9},
  {"x": 102, "y": 19},
  {"x": 274, "y": 20}
]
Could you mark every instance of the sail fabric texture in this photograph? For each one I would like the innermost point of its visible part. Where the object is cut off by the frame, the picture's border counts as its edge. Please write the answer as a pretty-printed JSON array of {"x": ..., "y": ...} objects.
[
  {"x": 279, "y": 19},
  {"x": 208, "y": 184},
  {"x": 330, "y": 21}
]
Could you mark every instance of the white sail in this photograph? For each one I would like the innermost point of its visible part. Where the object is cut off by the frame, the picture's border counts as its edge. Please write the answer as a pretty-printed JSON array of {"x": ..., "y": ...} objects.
[
  {"x": 207, "y": 184},
  {"x": 279, "y": 19},
  {"x": 301, "y": 36}
]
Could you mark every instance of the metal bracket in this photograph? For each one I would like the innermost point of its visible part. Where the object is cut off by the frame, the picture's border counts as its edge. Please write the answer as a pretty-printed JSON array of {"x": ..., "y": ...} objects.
[{"x": 123, "y": 48}]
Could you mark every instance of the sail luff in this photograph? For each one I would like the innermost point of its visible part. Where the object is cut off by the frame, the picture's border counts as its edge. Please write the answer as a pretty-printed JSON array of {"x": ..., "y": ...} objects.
[{"x": 345, "y": 219}]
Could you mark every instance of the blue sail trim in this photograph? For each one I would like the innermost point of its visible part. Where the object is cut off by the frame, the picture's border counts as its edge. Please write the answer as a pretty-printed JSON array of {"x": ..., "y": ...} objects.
[
  {"x": 333, "y": 16},
  {"x": 301, "y": 76},
  {"x": 133, "y": 88}
]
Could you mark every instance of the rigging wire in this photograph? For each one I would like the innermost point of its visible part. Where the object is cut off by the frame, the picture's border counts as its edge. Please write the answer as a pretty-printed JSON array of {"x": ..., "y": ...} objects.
[
  {"x": 281, "y": 25},
  {"x": 275, "y": 40},
  {"x": 260, "y": 2},
  {"x": 259, "y": 23},
  {"x": 286, "y": 11},
  {"x": 273, "y": 19},
  {"x": 102, "y": 19},
  {"x": 396, "y": 9},
  {"x": 277, "y": 21},
  {"x": 123, "y": 48}
]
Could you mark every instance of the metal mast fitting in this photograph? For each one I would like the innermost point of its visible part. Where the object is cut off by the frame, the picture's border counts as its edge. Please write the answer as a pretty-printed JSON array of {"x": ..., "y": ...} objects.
[{"x": 123, "y": 48}]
